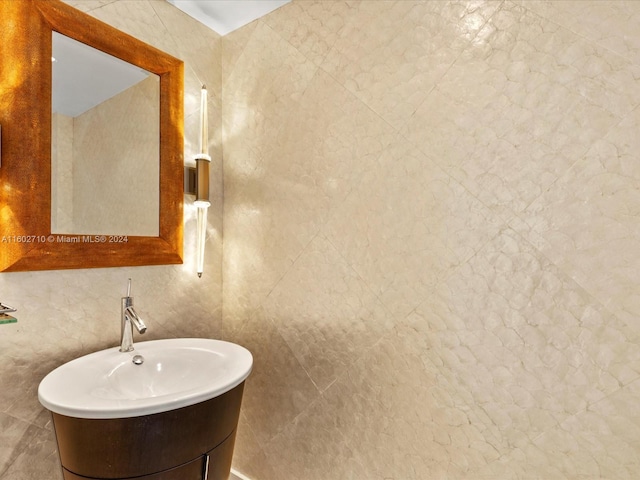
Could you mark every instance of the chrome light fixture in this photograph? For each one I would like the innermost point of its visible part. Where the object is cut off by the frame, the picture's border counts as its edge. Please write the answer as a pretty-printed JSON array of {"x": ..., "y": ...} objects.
[{"x": 199, "y": 182}]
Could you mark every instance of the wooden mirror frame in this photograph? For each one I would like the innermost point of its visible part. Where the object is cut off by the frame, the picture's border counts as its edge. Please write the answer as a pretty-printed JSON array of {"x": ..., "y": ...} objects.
[{"x": 26, "y": 240}]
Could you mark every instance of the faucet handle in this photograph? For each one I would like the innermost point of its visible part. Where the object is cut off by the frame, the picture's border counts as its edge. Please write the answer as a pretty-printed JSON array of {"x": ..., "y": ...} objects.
[{"x": 129, "y": 288}]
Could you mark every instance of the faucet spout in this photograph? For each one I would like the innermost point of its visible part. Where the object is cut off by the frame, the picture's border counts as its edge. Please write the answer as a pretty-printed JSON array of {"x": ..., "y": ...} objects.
[
  {"x": 129, "y": 319},
  {"x": 136, "y": 321}
]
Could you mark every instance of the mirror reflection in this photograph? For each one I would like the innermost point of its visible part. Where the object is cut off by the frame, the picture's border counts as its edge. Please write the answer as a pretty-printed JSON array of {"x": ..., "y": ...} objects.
[{"x": 105, "y": 143}]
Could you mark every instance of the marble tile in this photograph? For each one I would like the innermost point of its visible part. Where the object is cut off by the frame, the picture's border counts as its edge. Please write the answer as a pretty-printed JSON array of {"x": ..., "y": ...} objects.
[
  {"x": 246, "y": 447},
  {"x": 601, "y": 442},
  {"x": 12, "y": 432},
  {"x": 136, "y": 18},
  {"x": 391, "y": 54},
  {"x": 21, "y": 444},
  {"x": 506, "y": 352},
  {"x": 613, "y": 24},
  {"x": 511, "y": 334},
  {"x": 88, "y": 5},
  {"x": 233, "y": 45},
  {"x": 257, "y": 466},
  {"x": 200, "y": 49},
  {"x": 279, "y": 388},
  {"x": 586, "y": 222},
  {"x": 268, "y": 219},
  {"x": 519, "y": 108},
  {"x": 340, "y": 137},
  {"x": 407, "y": 225},
  {"x": 310, "y": 26},
  {"x": 268, "y": 79},
  {"x": 345, "y": 322},
  {"x": 512, "y": 351},
  {"x": 366, "y": 425},
  {"x": 260, "y": 253},
  {"x": 324, "y": 453},
  {"x": 37, "y": 458}
]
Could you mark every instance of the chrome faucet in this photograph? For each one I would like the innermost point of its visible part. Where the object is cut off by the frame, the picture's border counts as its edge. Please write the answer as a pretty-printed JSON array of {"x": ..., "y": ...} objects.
[{"x": 129, "y": 318}]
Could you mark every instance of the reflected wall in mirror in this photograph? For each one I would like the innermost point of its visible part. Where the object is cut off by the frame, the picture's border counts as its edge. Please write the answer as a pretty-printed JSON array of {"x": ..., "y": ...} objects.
[
  {"x": 28, "y": 175},
  {"x": 105, "y": 125}
]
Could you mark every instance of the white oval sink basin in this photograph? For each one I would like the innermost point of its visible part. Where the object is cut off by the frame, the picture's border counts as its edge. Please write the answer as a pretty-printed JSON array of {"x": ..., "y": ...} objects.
[{"x": 175, "y": 373}]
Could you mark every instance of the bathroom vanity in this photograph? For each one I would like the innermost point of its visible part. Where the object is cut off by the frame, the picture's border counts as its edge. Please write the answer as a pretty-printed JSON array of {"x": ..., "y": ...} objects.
[
  {"x": 167, "y": 410},
  {"x": 190, "y": 443}
]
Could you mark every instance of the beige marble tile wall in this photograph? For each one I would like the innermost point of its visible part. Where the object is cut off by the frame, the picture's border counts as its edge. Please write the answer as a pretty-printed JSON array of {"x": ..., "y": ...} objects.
[
  {"x": 63, "y": 314},
  {"x": 61, "y": 173},
  {"x": 431, "y": 239},
  {"x": 124, "y": 155}
]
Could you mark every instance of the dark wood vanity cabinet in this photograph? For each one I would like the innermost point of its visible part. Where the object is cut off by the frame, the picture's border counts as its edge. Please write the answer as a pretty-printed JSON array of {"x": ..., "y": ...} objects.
[
  {"x": 215, "y": 465},
  {"x": 189, "y": 443},
  {"x": 191, "y": 471}
]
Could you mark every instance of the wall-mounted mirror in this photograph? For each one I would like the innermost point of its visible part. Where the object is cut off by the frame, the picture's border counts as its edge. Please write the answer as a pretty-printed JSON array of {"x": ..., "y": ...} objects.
[
  {"x": 106, "y": 125},
  {"x": 99, "y": 186}
]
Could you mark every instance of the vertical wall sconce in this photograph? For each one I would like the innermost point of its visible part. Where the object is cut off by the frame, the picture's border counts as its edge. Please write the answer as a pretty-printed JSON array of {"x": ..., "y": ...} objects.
[
  {"x": 203, "y": 160},
  {"x": 198, "y": 182}
]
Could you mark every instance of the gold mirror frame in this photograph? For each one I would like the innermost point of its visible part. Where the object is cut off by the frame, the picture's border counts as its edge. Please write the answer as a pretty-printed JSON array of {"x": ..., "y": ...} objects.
[{"x": 26, "y": 240}]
